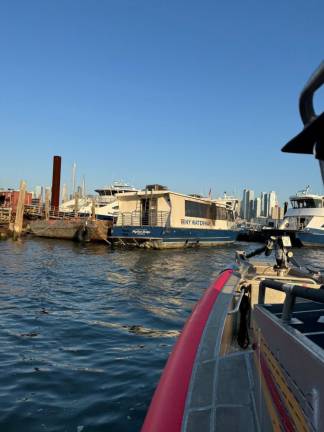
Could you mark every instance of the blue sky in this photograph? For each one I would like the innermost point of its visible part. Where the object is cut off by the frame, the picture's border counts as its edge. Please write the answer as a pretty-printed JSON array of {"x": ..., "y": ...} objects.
[{"x": 193, "y": 95}]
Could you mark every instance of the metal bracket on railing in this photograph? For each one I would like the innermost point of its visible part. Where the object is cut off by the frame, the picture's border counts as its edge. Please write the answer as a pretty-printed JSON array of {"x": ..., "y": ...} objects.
[{"x": 238, "y": 303}]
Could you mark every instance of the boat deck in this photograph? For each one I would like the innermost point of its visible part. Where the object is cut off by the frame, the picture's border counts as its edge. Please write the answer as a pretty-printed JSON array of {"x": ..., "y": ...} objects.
[
  {"x": 233, "y": 406},
  {"x": 223, "y": 387},
  {"x": 307, "y": 318}
]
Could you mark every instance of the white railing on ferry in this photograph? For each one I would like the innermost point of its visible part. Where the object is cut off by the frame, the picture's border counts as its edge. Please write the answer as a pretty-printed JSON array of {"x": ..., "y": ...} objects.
[{"x": 150, "y": 218}]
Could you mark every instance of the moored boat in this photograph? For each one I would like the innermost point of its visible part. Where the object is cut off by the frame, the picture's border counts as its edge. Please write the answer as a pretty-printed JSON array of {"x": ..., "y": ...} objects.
[
  {"x": 159, "y": 218},
  {"x": 104, "y": 206},
  {"x": 306, "y": 218}
]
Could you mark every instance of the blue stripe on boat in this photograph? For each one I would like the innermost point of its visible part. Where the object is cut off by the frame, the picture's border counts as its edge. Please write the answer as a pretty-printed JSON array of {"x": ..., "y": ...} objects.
[
  {"x": 311, "y": 237},
  {"x": 174, "y": 234}
]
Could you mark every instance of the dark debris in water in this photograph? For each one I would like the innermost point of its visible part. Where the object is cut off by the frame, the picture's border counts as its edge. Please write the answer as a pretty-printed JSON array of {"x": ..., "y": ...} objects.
[{"x": 31, "y": 334}]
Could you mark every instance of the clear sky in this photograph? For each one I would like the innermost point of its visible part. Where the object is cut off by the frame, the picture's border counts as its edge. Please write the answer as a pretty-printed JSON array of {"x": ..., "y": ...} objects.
[{"x": 190, "y": 94}]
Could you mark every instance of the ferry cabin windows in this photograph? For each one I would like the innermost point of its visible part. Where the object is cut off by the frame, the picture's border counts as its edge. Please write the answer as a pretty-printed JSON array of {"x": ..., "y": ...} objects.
[
  {"x": 207, "y": 211},
  {"x": 195, "y": 209}
]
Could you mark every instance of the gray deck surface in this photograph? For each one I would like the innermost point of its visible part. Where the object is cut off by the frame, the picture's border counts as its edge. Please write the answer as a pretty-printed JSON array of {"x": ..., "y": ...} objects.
[
  {"x": 223, "y": 396},
  {"x": 221, "y": 391}
]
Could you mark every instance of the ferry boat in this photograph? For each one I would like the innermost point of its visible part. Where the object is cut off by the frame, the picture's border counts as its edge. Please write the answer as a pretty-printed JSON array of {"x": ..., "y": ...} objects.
[
  {"x": 251, "y": 355},
  {"x": 159, "y": 218},
  {"x": 306, "y": 218}
]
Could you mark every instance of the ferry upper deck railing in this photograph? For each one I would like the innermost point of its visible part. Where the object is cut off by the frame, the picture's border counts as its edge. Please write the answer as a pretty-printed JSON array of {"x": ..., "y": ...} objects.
[{"x": 138, "y": 218}]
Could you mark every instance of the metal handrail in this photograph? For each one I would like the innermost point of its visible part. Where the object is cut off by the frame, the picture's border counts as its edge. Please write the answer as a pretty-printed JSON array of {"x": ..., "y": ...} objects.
[
  {"x": 292, "y": 292},
  {"x": 287, "y": 279},
  {"x": 238, "y": 304},
  {"x": 138, "y": 218}
]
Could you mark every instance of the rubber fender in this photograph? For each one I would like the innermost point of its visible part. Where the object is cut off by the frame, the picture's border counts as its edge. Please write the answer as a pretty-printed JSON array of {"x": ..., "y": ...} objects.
[{"x": 83, "y": 235}]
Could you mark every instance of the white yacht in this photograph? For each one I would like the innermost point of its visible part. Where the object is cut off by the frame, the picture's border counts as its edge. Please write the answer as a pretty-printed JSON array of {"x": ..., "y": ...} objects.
[
  {"x": 306, "y": 218},
  {"x": 106, "y": 203}
]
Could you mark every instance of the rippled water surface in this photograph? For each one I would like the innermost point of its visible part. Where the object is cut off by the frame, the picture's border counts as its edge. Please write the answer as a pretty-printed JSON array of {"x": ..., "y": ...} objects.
[{"x": 85, "y": 332}]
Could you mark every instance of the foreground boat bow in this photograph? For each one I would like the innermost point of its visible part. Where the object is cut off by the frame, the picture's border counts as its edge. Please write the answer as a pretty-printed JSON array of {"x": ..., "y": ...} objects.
[{"x": 234, "y": 366}]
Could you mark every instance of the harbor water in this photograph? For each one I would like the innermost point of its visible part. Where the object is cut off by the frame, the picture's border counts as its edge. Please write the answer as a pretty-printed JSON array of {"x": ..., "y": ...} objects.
[{"x": 86, "y": 332}]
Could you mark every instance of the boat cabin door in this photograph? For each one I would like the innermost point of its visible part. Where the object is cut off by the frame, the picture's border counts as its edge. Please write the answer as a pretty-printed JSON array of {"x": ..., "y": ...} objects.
[{"x": 149, "y": 211}]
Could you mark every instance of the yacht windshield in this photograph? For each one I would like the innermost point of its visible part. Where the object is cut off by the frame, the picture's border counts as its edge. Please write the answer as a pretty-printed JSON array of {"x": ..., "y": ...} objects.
[{"x": 306, "y": 203}]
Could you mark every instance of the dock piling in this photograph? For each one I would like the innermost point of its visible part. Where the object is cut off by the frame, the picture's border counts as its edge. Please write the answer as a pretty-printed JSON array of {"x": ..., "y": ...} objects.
[
  {"x": 17, "y": 229},
  {"x": 47, "y": 203}
]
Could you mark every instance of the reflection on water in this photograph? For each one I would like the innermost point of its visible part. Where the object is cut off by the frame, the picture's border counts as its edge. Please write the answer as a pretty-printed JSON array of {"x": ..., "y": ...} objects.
[{"x": 85, "y": 332}]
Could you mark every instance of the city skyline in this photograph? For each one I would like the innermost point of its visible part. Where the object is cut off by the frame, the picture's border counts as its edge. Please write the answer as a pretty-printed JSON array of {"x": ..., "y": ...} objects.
[
  {"x": 66, "y": 189},
  {"x": 263, "y": 206}
]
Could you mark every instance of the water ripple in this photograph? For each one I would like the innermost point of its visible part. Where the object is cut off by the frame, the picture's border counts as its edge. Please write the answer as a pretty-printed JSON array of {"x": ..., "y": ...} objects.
[{"x": 85, "y": 332}]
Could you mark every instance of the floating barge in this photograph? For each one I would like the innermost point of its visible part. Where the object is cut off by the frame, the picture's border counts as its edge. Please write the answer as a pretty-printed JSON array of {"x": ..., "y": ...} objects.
[{"x": 77, "y": 229}]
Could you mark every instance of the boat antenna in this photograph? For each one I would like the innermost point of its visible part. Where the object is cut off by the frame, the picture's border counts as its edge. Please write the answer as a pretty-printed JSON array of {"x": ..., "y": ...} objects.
[{"x": 311, "y": 139}]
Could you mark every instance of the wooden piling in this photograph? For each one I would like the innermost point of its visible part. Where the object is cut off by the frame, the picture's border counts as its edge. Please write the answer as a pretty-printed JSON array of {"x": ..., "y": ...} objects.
[
  {"x": 40, "y": 200},
  {"x": 20, "y": 211},
  {"x": 47, "y": 203},
  {"x": 93, "y": 210}
]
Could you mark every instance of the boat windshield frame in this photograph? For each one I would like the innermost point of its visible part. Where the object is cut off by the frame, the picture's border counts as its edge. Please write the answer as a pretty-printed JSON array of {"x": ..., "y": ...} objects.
[{"x": 306, "y": 202}]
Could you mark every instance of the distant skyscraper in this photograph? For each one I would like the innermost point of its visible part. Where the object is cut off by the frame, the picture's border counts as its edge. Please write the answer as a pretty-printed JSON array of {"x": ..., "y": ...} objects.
[
  {"x": 265, "y": 205},
  {"x": 243, "y": 205},
  {"x": 272, "y": 202},
  {"x": 262, "y": 203},
  {"x": 83, "y": 187},
  {"x": 39, "y": 192},
  {"x": 73, "y": 178},
  {"x": 257, "y": 207},
  {"x": 249, "y": 204},
  {"x": 64, "y": 193},
  {"x": 79, "y": 191}
]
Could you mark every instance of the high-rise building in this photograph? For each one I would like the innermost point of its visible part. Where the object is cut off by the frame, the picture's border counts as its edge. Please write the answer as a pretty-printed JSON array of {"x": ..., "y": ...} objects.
[
  {"x": 277, "y": 212},
  {"x": 83, "y": 187},
  {"x": 265, "y": 205},
  {"x": 38, "y": 194},
  {"x": 64, "y": 193},
  {"x": 249, "y": 204},
  {"x": 257, "y": 207},
  {"x": 262, "y": 196},
  {"x": 243, "y": 205},
  {"x": 272, "y": 202}
]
